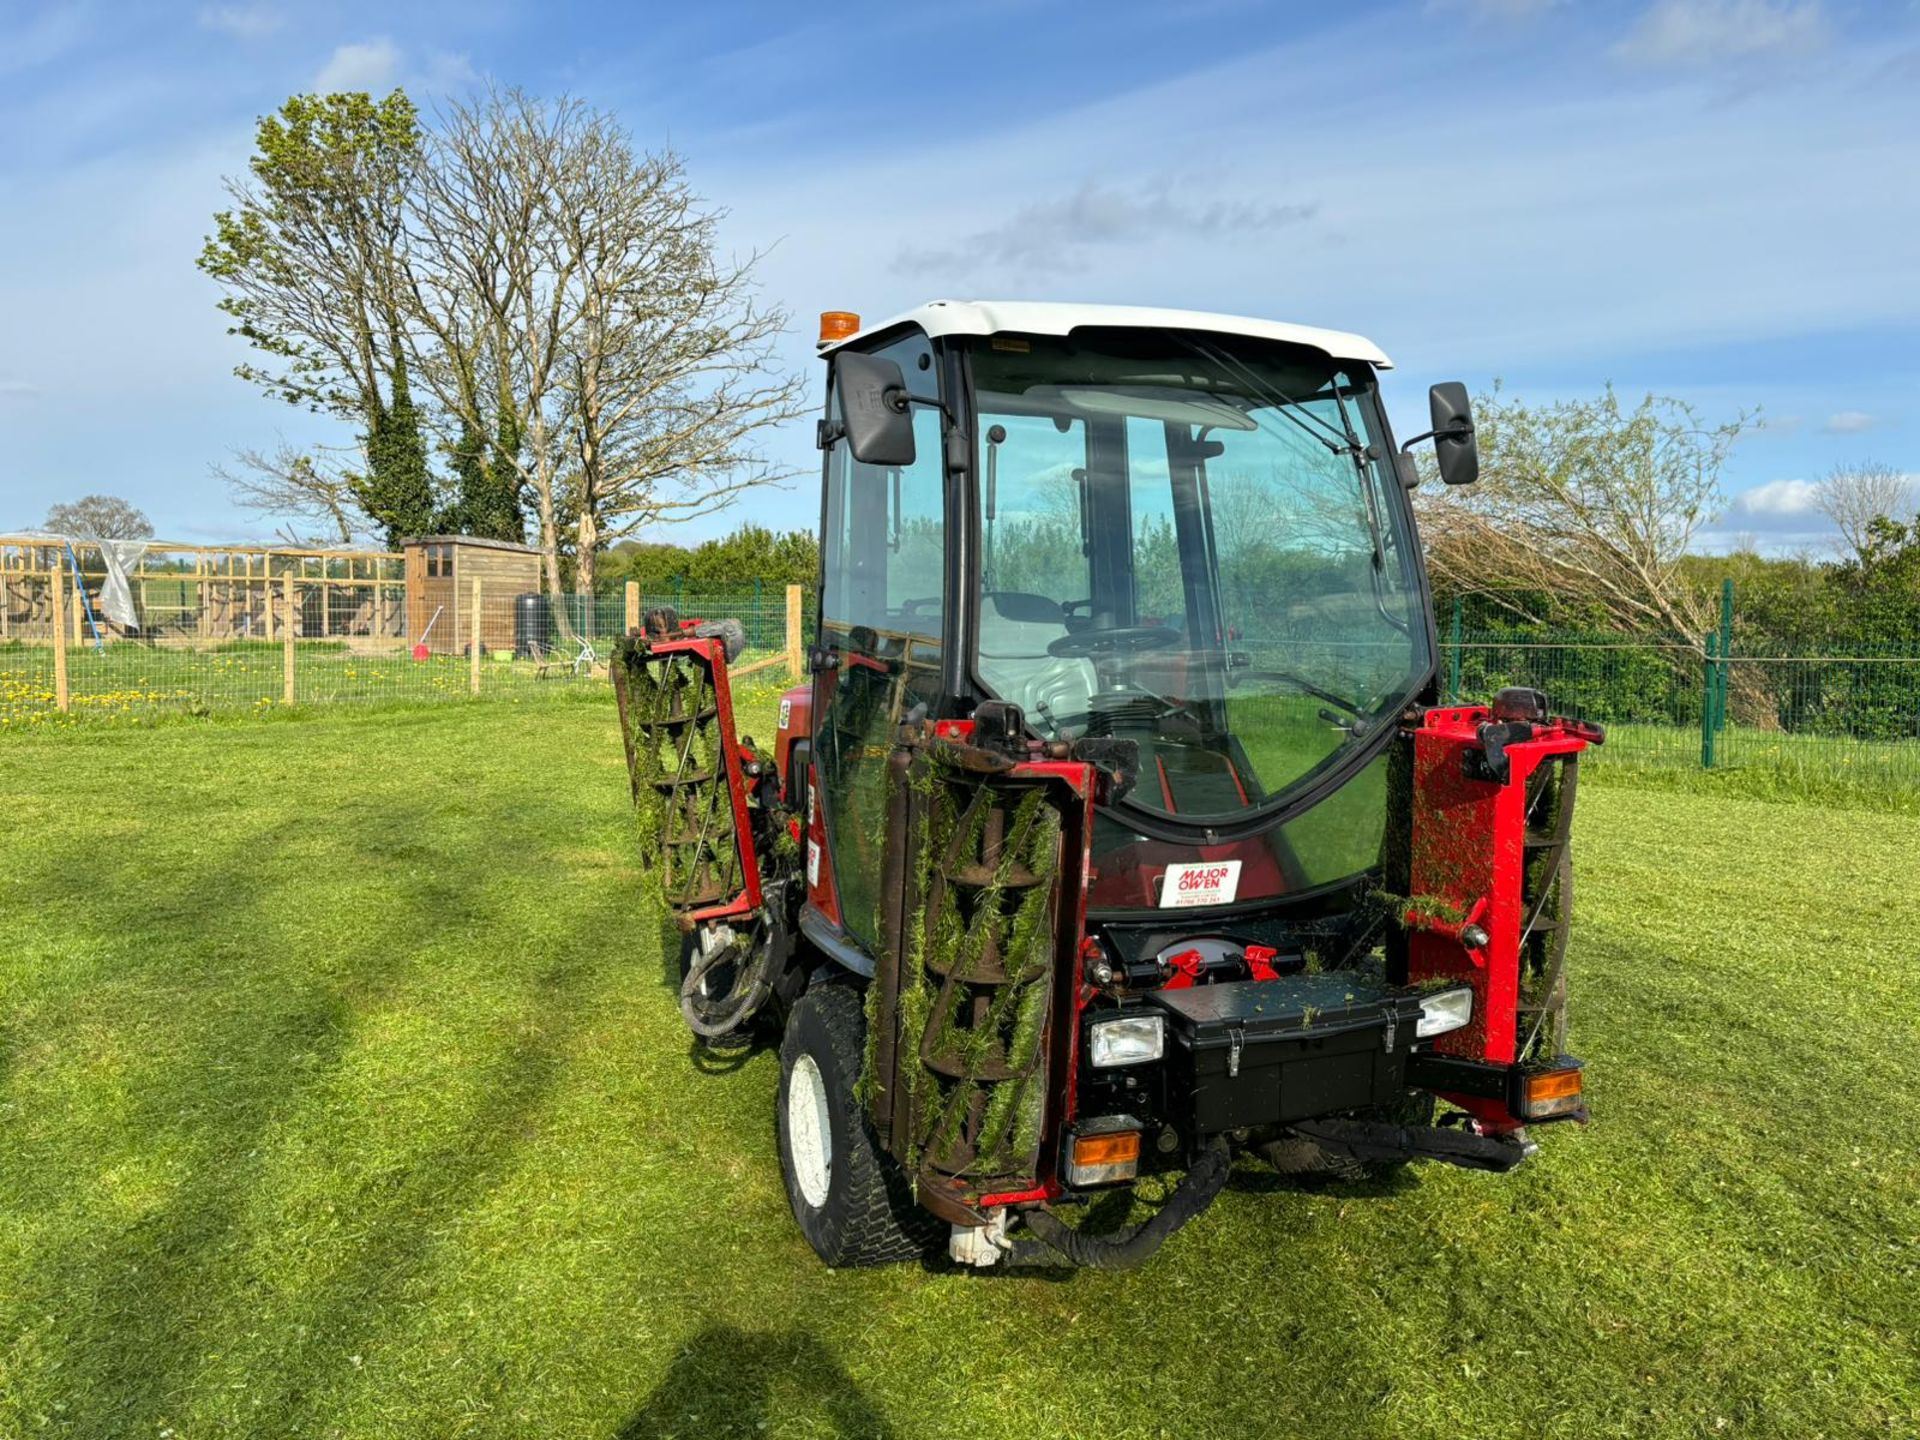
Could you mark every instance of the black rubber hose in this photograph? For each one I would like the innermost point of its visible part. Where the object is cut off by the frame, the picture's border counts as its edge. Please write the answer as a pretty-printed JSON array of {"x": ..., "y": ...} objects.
[
  {"x": 1125, "y": 1249},
  {"x": 711, "y": 1018}
]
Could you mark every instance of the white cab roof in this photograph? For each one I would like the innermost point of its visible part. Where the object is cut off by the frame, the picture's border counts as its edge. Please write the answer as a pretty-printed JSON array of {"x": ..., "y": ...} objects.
[{"x": 1034, "y": 317}]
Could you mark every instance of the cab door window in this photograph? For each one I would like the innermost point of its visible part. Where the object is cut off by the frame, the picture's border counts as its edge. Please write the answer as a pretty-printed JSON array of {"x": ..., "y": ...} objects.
[{"x": 882, "y": 605}]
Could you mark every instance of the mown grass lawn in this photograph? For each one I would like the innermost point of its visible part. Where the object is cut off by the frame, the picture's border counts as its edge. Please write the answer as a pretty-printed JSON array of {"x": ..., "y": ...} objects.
[
  {"x": 136, "y": 683},
  {"x": 340, "y": 1095}
]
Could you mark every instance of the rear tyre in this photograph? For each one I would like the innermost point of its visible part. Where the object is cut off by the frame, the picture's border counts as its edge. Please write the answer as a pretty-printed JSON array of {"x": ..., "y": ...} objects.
[{"x": 849, "y": 1197}]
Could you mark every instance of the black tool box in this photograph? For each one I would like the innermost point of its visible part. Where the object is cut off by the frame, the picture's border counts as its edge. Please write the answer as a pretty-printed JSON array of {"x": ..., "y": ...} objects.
[{"x": 1265, "y": 1052}]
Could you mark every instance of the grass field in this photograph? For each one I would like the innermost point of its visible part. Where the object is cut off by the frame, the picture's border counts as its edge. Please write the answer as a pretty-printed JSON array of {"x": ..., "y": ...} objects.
[
  {"x": 137, "y": 683},
  {"x": 340, "y": 1095}
]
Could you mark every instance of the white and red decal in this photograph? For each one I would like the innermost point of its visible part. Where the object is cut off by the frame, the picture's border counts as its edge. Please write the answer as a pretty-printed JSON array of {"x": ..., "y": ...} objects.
[{"x": 1206, "y": 882}]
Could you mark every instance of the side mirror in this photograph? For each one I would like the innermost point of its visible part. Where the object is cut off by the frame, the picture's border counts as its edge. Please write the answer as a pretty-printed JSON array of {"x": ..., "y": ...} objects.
[
  {"x": 874, "y": 408},
  {"x": 1453, "y": 443}
]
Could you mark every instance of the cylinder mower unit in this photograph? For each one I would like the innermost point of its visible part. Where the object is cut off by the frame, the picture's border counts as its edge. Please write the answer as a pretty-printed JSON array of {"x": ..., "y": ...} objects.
[
  {"x": 1489, "y": 903},
  {"x": 1112, "y": 835},
  {"x": 702, "y": 825}
]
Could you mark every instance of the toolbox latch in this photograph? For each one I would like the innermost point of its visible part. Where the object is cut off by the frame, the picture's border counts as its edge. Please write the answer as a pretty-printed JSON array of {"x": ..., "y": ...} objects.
[
  {"x": 1236, "y": 1037},
  {"x": 1387, "y": 1041}
]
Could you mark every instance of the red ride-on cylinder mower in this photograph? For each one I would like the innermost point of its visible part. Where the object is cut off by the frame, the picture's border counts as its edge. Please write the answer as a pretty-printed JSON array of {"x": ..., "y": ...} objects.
[{"x": 1118, "y": 830}]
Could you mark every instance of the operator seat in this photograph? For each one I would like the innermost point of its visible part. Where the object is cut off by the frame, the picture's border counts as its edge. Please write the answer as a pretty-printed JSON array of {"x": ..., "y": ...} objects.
[{"x": 1015, "y": 629}]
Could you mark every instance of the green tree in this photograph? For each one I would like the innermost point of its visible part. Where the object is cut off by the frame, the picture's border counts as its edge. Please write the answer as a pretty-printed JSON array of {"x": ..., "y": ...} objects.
[
  {"x": 487, "y": 481},
  {"x": 312, "y": 257},
  {"x": 1590, "y": 501},
  {"x": 751, "y": 553}
]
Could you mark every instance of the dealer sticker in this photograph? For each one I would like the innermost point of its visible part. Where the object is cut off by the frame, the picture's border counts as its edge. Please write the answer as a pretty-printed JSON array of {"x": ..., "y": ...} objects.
[{"x": 1210, "y": 882}]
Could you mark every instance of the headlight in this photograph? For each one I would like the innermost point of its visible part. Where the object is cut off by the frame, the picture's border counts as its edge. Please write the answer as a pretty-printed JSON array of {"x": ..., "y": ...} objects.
[
  {"x": 1129, "y": 1040},
  {"x": 1444, "y": 1011}
]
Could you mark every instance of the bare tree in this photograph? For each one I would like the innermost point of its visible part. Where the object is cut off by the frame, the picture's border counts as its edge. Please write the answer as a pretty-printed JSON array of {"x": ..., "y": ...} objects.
[
  {"x": 1854, "y": 496},
  {"x": 570, "y": 297},
  {"x": 558, "y": 295},
  {"x": 100, "y": 517},
  {"x": 495, "y": 289},
  {"x": 669, "y": 367},
  {"x": 1587, "y": 500},
  {"x": 315, "y": 489}
]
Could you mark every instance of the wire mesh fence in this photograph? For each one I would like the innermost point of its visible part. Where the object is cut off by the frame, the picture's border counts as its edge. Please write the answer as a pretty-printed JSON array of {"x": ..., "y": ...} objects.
[
  {"x": 211, "y": 644},
  {"x": 1811, "y": 721},
  {"x": 220, "y": 631}
]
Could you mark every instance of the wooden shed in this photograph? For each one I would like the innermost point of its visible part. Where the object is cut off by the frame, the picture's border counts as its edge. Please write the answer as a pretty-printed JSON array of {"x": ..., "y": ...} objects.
[{"x": 441, "y": 571}]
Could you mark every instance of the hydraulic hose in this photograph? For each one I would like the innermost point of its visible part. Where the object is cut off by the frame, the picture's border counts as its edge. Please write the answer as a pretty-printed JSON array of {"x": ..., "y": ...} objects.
[
  {"x": 711, "y": 1017},
  {"x": 1125, "y": 1249}
]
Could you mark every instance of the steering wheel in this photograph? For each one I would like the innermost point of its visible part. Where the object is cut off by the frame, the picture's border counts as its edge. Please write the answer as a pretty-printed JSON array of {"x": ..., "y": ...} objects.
[{"x": 1117, "y": 641}]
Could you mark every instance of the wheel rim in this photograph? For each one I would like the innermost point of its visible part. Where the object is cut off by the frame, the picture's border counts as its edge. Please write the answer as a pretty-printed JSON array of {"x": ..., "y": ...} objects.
[{"x": 809, "y": 1135}]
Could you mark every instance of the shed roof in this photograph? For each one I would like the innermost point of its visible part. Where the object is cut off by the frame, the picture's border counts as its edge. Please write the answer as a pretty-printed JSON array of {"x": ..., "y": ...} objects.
[{"x": 479, "y": 540}]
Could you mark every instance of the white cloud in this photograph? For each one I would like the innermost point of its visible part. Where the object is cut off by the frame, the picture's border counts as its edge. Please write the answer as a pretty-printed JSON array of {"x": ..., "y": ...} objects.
[
  {"x": 1584, "y": 217},
  {"x": 1777, "y": 497},
  {"x": 1708, "y": 32},
  {"x": 449, "y": 70},
  {"x": 18, "y": 388},
  {"x": 1777, "y": 518},
  {"x": 1054, "y": 236},
  {"x": 370, "y": 65},
  {"x": 244, "y": 22},
  {"x": 1848, "y": 422},
  {"x": 1496, "y": 11},
  {"x": 52, "y": 35}
]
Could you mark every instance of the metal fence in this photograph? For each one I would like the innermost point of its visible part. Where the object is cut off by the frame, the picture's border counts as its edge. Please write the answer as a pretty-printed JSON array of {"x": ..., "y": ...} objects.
[
  {"x": 320, "y": 641},
  {"x": 314, "y": 629},
  {"x": 1848, "y": 721}
]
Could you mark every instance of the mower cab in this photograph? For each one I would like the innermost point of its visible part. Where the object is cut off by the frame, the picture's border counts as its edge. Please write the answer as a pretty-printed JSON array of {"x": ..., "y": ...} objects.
[{"x": 1119, "y": 829}]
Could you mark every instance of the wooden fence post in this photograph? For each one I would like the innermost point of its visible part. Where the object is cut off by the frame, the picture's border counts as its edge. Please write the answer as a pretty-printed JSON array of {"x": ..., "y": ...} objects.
[
  {"x": 793, "y": 631},
  {"x": 475, "y": 635},
  {"x": 59, "y": 578},
  {"x": 633, "y": 606},
  {"x": 287, "y": 628}
]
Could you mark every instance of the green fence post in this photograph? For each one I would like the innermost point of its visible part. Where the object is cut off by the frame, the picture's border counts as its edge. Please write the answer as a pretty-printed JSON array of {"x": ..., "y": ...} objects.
[
  {"x": 1709, "y": 686},
  {"x": 1726, "y": 649},
  {"x": 1453, "y": 660}
]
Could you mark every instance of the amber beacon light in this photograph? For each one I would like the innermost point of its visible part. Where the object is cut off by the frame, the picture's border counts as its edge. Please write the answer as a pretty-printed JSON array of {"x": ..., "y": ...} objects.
[{"x": 838, "y": 325}]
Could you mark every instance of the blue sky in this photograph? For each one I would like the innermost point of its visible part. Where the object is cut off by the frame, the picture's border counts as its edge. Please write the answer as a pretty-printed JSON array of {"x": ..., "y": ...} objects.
[{"x": 1716, "y": 199}]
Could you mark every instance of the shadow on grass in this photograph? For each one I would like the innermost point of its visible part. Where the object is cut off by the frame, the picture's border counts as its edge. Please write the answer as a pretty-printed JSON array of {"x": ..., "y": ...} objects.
[
  {"x": 145, "y": 1311},
  {"x": 727, "y": 1382},
  {"x": 1375, "y": 1183}
]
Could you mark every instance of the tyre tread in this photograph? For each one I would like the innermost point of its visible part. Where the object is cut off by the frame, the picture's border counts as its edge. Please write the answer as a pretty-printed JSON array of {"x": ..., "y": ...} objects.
[{"x": 876, "y": 1220}]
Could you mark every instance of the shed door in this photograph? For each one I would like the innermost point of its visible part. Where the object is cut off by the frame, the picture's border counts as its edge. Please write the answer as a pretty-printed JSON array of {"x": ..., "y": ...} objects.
[{"x": 416, "y": 578}]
